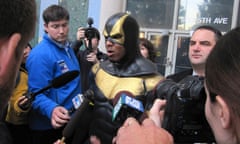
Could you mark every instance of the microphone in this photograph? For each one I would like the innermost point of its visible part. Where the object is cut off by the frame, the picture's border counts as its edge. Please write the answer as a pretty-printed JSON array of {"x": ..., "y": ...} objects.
[
  {"x": 126, "y": 106},
  {"x": 55, "y": 83},
  {"x": 89, "y": 34},
  {"x": 80, "y": 113},
  {"x": 90, "y": 21},
  {"x": 64, "y": 79}
]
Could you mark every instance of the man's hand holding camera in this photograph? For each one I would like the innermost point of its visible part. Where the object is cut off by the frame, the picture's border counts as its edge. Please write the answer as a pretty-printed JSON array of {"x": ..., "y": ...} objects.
[
  {"x": 81, "y": 33},
  {"x": 91, "y": 57}
]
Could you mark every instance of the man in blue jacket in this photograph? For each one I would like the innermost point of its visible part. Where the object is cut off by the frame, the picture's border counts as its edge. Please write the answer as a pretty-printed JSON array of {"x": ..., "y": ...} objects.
[{"x": 49, "y": 59}]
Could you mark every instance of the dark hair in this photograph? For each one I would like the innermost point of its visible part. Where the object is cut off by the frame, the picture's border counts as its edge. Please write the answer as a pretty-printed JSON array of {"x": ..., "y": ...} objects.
[
  {"x": 55, "y": 13},
  {"x": 151, "y": 51},
  {"x": 216, "y": 32},
  {"x": 18, "y": 16},
  {"x": 29, "y": 45},
  {"x": 223, "y": 70},
  {"x": 96, "y": 33}
]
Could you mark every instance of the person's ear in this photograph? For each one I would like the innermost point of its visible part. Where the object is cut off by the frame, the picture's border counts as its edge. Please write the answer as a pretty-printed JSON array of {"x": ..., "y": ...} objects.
[
  {"x": 8, "y": 61},
  {"x": 224, "y": 112},
  {"x": 8, "y": 47},
  {"x": 14, "y": 41}
]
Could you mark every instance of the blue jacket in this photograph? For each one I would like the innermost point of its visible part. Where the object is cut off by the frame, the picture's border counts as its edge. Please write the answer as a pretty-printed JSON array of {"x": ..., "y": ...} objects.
[{"x": 45, "y": 62}]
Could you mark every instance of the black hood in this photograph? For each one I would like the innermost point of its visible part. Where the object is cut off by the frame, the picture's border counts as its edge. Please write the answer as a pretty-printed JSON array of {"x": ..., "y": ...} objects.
[{"x": 126, "y": 26}]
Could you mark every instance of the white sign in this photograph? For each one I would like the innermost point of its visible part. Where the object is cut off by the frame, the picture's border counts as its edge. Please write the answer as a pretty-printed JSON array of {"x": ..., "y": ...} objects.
[{"x": 216, "y": 20}]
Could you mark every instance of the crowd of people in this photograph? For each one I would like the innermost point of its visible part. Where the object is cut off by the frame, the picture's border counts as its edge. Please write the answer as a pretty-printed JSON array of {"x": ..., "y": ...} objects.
[
  {"x": 222, "y": 103},
  {"x": 126, "y": 71}
]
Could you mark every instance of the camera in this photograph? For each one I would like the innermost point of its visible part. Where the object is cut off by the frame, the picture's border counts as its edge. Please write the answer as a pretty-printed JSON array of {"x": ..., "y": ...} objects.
[
  {"x": 184, "y": 115},
  {"x": 90, "y": 33}
]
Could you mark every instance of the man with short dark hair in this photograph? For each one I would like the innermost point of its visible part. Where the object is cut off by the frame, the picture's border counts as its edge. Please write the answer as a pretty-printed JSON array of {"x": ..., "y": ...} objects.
[
  {"x": 17, "y": 27},
  {"x": 201, "y": 44},
  {"x": 52, "y": 57}
]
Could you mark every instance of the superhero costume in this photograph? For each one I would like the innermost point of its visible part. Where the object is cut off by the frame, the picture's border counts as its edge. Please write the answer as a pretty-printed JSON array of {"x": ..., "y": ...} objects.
[{"x": 132, "y": 73}]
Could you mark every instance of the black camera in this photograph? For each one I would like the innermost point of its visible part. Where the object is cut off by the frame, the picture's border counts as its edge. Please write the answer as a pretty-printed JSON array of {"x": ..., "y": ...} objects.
[
  {"x": 184, "y": 115},
  {"x": 90, "y": 33}
]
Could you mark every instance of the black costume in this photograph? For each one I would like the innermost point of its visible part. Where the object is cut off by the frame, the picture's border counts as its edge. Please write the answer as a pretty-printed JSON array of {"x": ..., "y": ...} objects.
[{"x": 132, "y": 73}]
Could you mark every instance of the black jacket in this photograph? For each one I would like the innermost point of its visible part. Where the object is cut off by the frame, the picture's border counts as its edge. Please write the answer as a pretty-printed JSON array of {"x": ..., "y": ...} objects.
[
  {"x": 179, "y": 76},
  {"x": 85, "y": 65}
]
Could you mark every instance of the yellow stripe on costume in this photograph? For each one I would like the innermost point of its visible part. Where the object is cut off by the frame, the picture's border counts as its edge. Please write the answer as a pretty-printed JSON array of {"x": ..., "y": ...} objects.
[{"x": 111, "y": 85}]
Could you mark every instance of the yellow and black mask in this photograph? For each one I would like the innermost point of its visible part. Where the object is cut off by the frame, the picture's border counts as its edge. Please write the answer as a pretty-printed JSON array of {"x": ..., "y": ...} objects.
[{"x": 123, "y": 29}]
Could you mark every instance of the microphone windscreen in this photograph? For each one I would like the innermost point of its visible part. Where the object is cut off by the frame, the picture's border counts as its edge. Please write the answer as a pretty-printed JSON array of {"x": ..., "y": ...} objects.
[
  {"x": 90, "y": 21},
  {"x": 70, "y": 127},
  {"x": 64, "y": 78},
  {"x": 80, "y": 114}
]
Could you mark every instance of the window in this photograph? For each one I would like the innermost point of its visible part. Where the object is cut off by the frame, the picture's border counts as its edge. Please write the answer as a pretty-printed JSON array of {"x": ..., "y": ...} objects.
[
  {"x": 217, "y": 13},
  {"x": 152, "y": 13},
  {"x": 78, "y": 15}
]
